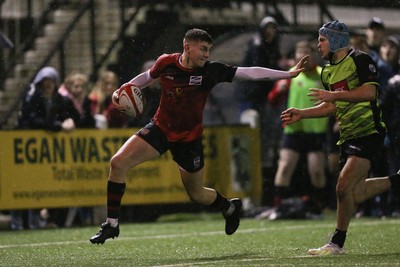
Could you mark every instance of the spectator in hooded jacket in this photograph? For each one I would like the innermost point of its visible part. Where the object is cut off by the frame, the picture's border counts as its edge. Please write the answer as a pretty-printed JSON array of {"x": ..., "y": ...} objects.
[{"x": 43, "y": 108}]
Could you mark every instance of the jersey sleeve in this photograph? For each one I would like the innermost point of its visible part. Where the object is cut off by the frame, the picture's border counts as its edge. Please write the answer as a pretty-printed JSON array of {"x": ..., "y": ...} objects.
[
  {"x": 323, "y": 79},
  {"x": 366, "y": 69},
  {"x": 156, "y": 69},
  {"x": 220, "y": 72}
]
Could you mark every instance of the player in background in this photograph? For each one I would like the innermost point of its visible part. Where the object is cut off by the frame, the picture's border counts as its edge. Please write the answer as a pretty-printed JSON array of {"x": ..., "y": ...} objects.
[
  {"x": 351, "y": 89},
  {"x": 186, "y": 81}
]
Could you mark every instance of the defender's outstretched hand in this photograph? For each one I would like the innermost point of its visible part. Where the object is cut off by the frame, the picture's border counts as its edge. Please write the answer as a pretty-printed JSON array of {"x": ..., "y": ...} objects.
[
  {"x": 319, "y": 96},
  {"x": 299, "y": 67},
  {"x": 291, "y": 115}
]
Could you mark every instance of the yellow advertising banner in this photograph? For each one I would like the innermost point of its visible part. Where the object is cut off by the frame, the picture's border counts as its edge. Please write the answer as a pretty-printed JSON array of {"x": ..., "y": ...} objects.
[{"x": 43, "y": 169}]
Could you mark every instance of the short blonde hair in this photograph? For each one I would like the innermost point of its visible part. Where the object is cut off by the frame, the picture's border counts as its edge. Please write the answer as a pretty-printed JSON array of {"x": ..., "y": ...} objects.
[{"x": 69, "y": 80}]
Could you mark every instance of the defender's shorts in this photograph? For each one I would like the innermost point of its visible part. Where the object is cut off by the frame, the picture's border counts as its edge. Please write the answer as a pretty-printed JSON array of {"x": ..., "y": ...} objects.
[{"x": 368, "y": 147}]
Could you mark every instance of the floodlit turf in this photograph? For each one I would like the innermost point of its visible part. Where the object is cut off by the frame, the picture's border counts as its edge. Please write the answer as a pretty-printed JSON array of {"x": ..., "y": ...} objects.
[{"x": 199, "y": 240}]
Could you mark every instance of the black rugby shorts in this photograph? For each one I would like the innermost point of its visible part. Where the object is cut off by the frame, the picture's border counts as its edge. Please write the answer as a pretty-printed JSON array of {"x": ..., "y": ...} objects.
[
  {"x": 368, "y": 147},
  {"x": 188, "y": 155}
]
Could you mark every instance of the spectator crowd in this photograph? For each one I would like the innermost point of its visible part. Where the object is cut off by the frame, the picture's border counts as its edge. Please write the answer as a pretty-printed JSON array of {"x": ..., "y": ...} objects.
[{"x": 303, "y": 154}]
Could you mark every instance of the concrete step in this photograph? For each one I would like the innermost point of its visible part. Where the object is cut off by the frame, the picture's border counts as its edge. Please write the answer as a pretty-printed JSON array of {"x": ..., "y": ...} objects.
[
  {"x": 53, "y": 31},
  {"x": 43, "y": 45},
  {"x": 22, "y": 71},
  {"x": 63, "y": 16},
  {"x": 15, "y": 85},
  {"x": 32, "y": 57},
  {"x": 8, "y": 96}
]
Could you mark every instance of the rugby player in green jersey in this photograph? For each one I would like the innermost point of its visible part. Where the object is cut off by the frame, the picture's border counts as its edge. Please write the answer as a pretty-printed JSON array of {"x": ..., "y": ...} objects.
[{"x": 350, "y": 93}]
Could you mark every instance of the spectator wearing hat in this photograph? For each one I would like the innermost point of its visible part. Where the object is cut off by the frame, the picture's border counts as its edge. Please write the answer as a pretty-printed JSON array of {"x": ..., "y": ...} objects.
[
  {"x": 389, "y": 101},
  {"x": 263, "y": 49},
  {"x": 387, "y": 61},
  {"x": 388, "y": 65},
  {"x": 391, "y": 112},
  {"x": 375, "y": 33},
  {"x": 390, "y": 51},
  {"x": 390, "y": 55}
]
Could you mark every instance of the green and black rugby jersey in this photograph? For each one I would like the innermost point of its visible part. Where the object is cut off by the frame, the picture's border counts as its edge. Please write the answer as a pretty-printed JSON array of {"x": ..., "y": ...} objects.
[{"x": 355, "y": 119}]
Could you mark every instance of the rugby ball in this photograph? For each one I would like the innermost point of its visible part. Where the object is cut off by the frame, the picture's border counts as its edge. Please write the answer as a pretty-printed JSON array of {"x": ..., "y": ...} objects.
[{"x": 131, "y": 99}]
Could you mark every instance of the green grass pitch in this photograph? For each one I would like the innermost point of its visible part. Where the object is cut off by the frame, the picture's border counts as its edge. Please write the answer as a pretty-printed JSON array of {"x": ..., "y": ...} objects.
[{"x": 199, "y": 240}]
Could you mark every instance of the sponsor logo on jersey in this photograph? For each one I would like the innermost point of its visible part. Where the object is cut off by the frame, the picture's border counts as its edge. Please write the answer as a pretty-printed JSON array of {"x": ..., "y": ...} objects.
[
  {"x": 195, "y": 80},
  {"x": 178, "y": 90},
  {"x": 340, "y": 86},
  {"x": 169, "y": 77},
  {"x": 372, "y": 68}
]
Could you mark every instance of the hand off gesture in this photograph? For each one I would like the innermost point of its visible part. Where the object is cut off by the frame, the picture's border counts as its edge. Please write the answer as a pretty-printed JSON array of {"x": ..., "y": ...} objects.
[{"x": 299, "y": 67}]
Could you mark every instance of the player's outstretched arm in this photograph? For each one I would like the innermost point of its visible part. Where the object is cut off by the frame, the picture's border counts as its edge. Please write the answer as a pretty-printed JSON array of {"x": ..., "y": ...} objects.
[
  {"x": 292, "y": 115},
  {"x": 259, "y": 73}
]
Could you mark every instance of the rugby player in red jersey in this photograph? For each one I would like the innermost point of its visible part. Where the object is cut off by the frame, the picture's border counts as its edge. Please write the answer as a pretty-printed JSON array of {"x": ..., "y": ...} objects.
[{"x": 186, "y": 81}]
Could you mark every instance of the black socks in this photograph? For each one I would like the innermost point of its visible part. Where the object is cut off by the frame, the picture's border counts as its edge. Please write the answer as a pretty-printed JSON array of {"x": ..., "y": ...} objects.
[
  {"x": 220, "y": 203},
  {"x": 115, "y": 191},
  {"x": 339, "y": 237}
]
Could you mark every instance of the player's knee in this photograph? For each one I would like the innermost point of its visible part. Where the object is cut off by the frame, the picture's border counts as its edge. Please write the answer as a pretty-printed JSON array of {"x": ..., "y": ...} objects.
[
  {"x": 341, "y": 190},
  {"x": 199, "y": 197},
  {"x": 116, "y": 163}
]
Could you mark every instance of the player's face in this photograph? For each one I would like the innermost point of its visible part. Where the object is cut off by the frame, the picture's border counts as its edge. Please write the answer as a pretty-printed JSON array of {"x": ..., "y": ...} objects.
[
  {"x": 198, "y": 53},
  {"x": 323, "y": 47}
]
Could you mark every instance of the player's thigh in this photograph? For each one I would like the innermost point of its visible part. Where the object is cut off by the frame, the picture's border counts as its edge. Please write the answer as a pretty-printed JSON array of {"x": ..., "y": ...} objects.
[
  {"x": 133, "y": 152},
  {"x": 354, "y": 170}
]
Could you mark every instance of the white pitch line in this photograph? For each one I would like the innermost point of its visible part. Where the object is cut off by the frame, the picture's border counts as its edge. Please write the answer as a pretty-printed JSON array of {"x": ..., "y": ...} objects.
[
  {"x": 251, "y": 260},
  {"x": 211, "y": 233}
]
